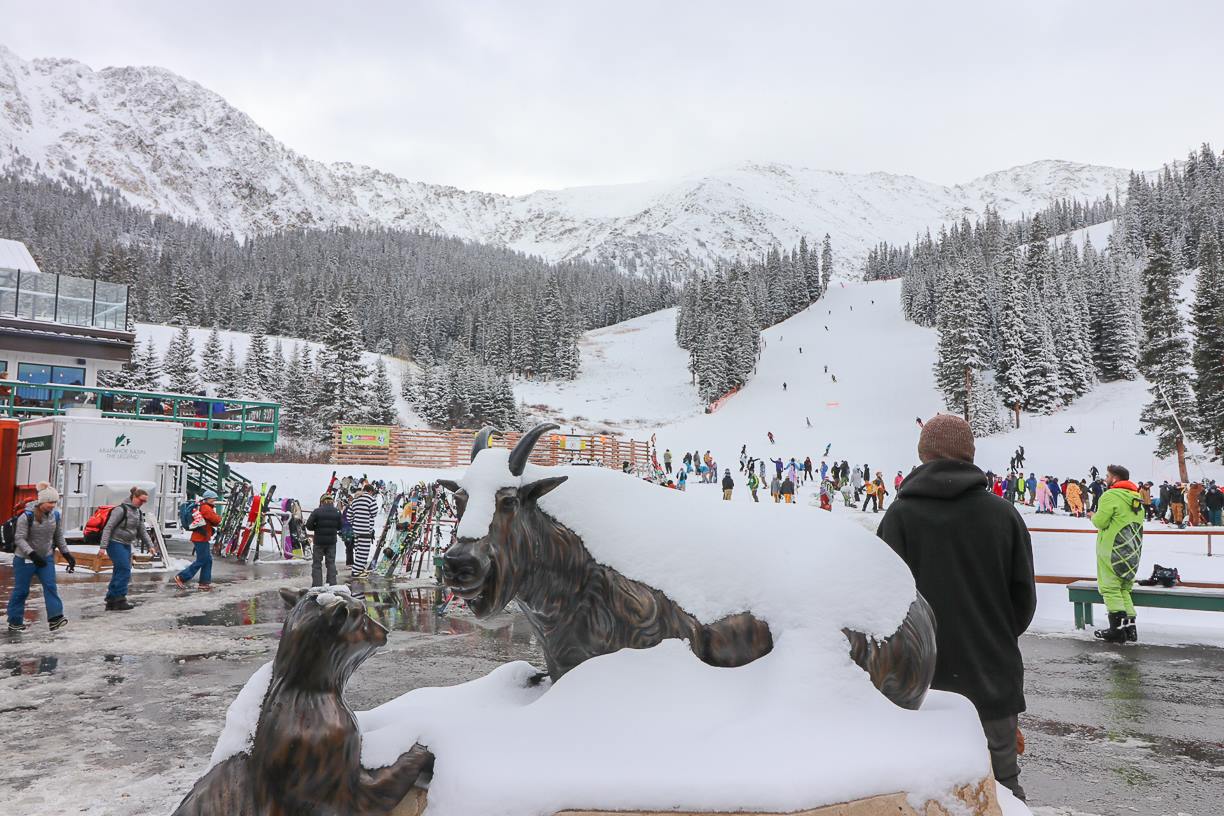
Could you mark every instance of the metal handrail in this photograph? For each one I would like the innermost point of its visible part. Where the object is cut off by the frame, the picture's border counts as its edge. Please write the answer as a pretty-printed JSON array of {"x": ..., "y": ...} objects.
[
  {"x": 1195, "y": 531},
  {"x": 238, "y": 416}
]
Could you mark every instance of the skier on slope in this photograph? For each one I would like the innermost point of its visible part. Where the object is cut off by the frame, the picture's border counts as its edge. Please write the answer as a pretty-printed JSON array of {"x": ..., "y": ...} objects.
[
  {"x": 728, "y": 484},
  {"x": 771, "y": 437},
  {"x": 753, "y": 484}
]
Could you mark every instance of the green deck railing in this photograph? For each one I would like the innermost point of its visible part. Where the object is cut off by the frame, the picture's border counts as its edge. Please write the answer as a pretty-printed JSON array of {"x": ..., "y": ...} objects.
[{"x": 210, "y": 424}]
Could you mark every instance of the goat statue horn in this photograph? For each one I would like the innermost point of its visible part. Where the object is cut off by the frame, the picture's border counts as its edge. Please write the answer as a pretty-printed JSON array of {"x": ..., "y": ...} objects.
[
  {"x": 518, "y": 456},
  {"x": 483, "y": 437}
]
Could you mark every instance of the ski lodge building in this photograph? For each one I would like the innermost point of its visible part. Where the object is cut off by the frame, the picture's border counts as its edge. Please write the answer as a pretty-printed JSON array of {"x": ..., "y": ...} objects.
[{"x": 57, "y": 330}]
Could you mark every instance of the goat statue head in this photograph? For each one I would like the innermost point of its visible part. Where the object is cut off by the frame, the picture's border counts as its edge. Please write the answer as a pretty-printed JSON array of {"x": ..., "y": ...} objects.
[{"x": 500, "y": 527}]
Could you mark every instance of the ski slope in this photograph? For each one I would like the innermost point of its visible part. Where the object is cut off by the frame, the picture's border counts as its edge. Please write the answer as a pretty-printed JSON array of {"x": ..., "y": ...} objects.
[{"x": 635, "y": 379}]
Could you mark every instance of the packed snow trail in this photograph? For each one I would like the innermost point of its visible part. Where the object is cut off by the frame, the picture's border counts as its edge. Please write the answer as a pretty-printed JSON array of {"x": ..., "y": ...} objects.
[{"x": 884, "y": 382}]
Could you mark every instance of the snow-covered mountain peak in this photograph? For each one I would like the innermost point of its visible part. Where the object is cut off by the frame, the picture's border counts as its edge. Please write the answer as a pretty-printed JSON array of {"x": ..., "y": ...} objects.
[{"x": 174, "y": 147}]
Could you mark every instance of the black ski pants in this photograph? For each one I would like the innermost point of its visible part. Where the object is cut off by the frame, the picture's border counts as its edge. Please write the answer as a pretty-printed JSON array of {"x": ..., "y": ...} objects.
[{"x": 323, "y": 552}]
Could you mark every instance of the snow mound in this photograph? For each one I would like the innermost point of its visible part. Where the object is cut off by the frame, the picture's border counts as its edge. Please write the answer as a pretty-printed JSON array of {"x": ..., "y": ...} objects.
[{"x": 242, "y": 717}]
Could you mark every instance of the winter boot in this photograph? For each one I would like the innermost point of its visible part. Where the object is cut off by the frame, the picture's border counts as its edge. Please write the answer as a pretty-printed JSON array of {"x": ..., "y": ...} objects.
[
  {"x": 1114, "y": 634},
  {"x": 1132, "y": 634},
  {"x": 17, "y": 628},
  {"x": 57, "y": 623},
  {"x": 118, "y": 604}
]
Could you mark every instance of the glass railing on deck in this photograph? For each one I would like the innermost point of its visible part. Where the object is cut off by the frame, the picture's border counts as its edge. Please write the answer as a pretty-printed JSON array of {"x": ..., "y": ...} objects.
[
  {"x": 203, "y": 417},
  {"x": 51, "y": 298}
]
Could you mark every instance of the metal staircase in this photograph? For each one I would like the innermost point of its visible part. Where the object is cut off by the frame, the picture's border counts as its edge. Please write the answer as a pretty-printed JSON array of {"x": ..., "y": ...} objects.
[{"x": 208, "y": 472}]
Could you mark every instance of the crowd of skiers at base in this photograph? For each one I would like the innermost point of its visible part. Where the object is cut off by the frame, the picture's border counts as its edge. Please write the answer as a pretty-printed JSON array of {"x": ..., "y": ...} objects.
[
  {"x": 852, "y": 484},
  {"x": 39, "y": 530},
  {"x": 1195, "y": 504}
]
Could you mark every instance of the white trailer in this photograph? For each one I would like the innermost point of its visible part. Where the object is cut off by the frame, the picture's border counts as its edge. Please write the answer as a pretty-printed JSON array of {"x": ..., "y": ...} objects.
[{"x": 94, "y": 461}]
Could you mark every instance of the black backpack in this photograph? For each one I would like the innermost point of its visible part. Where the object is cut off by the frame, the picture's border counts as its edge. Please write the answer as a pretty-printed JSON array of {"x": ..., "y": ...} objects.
[{"x": 8, "y": 534}]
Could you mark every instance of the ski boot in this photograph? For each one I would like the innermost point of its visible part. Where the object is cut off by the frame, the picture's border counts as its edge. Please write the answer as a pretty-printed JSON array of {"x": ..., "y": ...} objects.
[
  {"x": 57, "y": 623},
  {"x": 1132, "y": 634},
  {"x": 1114, "y": 634}
]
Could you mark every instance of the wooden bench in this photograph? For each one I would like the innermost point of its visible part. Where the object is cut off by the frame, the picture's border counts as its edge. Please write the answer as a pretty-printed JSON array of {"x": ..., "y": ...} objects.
[{"x": 1085, "y": 593}]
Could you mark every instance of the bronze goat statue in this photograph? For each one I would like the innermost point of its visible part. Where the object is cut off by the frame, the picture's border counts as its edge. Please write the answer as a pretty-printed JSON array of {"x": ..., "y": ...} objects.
[{"x": 581, "y": 608}]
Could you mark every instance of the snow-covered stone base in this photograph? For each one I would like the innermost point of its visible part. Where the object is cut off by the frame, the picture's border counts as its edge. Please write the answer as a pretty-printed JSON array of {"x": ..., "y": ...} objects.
[{"x": 968, "y": 800}]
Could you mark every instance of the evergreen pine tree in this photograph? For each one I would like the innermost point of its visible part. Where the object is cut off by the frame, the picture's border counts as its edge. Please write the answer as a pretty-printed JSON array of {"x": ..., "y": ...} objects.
[
  {"x": 1208, "y": 318},
  {"x": 150, "y": 369},
  {"x": 1164, "y": 353},
  {"x": 182, "y": 373},
  {"x": 984, "y": 402},
  {"x": 229, "y": 377},
  {"x": 340, "y": 365},
  {"x": 826, "y": 263},
  {"x": 382, "y": 397},
  {"x": 1012, "y": 369},
  {"x": 210, "y": 357}
]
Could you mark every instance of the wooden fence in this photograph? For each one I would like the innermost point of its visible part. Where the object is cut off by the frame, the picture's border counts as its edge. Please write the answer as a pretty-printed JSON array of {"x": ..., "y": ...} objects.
[{"x": 429, "y": 448}]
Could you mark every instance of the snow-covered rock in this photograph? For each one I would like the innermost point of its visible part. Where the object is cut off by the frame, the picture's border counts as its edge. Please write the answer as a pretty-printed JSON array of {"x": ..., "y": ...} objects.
[{"x": 173, "y": 146}]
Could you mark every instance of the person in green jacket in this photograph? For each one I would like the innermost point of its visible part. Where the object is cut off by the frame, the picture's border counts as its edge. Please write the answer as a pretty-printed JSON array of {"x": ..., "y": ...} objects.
[
  {"x": 753, "y": 484},
  {"x": 1119, "y": 520}
]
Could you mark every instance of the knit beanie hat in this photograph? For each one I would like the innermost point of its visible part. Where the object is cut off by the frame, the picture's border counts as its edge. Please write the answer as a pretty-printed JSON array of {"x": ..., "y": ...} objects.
[
  {"x": 48, "y": 494},
  {"x": 946, "y": 436}
]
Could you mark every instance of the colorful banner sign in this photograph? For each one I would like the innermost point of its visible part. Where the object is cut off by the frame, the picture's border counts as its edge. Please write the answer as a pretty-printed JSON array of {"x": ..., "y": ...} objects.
[{"x": 365, "y": 436}]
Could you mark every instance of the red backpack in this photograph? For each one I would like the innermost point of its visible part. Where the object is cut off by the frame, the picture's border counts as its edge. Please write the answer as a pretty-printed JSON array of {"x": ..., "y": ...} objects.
[{"x": 93, "y": 527}]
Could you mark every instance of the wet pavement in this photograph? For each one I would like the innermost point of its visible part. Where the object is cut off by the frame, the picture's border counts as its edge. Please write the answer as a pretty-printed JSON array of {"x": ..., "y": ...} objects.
[
  {"x": 122, "y": 709},
  {"x": 1134, "y": 729}
]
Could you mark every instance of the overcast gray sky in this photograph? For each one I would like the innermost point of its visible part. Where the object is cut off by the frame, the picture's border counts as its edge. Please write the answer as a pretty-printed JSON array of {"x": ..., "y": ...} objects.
[{"x": 516, "y": 96}]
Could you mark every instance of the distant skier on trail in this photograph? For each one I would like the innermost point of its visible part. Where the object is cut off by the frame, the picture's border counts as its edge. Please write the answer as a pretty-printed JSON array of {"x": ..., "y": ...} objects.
[
  {"x": 784, "y": 386},
  {"x": 771, "y": 437},
  {"x": 827, "y": 446},
  {"x": 809, "y": 421}
]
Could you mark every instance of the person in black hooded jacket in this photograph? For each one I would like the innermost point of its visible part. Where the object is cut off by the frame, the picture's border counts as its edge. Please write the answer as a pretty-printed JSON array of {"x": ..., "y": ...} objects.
[
  {"x": 972, "y": 560},
  {"x": 325, "y": 521}
]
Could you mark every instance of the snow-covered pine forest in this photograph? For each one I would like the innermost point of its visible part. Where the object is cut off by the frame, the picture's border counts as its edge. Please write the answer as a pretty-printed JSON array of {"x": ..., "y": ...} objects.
[
  {"x": 1029, "y": 321},
  {"x": 417, "y": 295},
  {"x": 722, "y": 313}
]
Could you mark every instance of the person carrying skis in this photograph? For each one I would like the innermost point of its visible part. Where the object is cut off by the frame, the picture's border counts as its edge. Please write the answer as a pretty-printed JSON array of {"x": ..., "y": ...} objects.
[
  {"x": 325, "y": 521},
  {"x": 201, "y": 538},
  {"x": 362, "y": 515},
  {"x": 728, "y": 484},
  {"x": 753, "y": 484},
  {"x": 1119, "y": 546},
  {"x": 39, "y": 532},
  {"x": 953, "y": 534},
  {"x": 124, "y": 526}
]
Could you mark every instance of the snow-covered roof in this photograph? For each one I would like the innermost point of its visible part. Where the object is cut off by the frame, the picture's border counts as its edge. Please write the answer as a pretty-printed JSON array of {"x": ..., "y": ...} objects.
[{"x": 15, "y": 256}]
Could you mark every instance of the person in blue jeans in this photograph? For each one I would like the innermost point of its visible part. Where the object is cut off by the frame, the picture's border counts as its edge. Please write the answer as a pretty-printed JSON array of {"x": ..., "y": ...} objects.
[
  {"x": 124, "y": 526},
  {"x": 201, "y": 542},
  {"x": 38, "y": 533}
]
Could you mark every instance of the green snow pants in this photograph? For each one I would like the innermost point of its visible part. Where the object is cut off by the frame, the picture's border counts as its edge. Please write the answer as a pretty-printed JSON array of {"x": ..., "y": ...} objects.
[{"x": 1115, "y": 591}]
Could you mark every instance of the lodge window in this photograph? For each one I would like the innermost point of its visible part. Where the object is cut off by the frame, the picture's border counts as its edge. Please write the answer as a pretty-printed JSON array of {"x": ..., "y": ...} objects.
[{"x": 41, "y": 374}]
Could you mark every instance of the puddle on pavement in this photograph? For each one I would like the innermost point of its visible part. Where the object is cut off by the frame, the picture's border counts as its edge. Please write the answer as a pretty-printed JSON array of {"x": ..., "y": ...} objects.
[
  {"x": 417, "y": 609},
  {"x": 15, "y": 667}
]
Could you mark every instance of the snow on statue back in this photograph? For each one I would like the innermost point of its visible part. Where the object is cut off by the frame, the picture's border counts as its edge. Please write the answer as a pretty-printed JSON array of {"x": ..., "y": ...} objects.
[{"x": 607, "y": 562}]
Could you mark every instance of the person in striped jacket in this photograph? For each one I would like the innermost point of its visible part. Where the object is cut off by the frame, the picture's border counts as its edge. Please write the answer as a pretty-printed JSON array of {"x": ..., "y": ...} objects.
[{"x": 362, "y": 513}]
